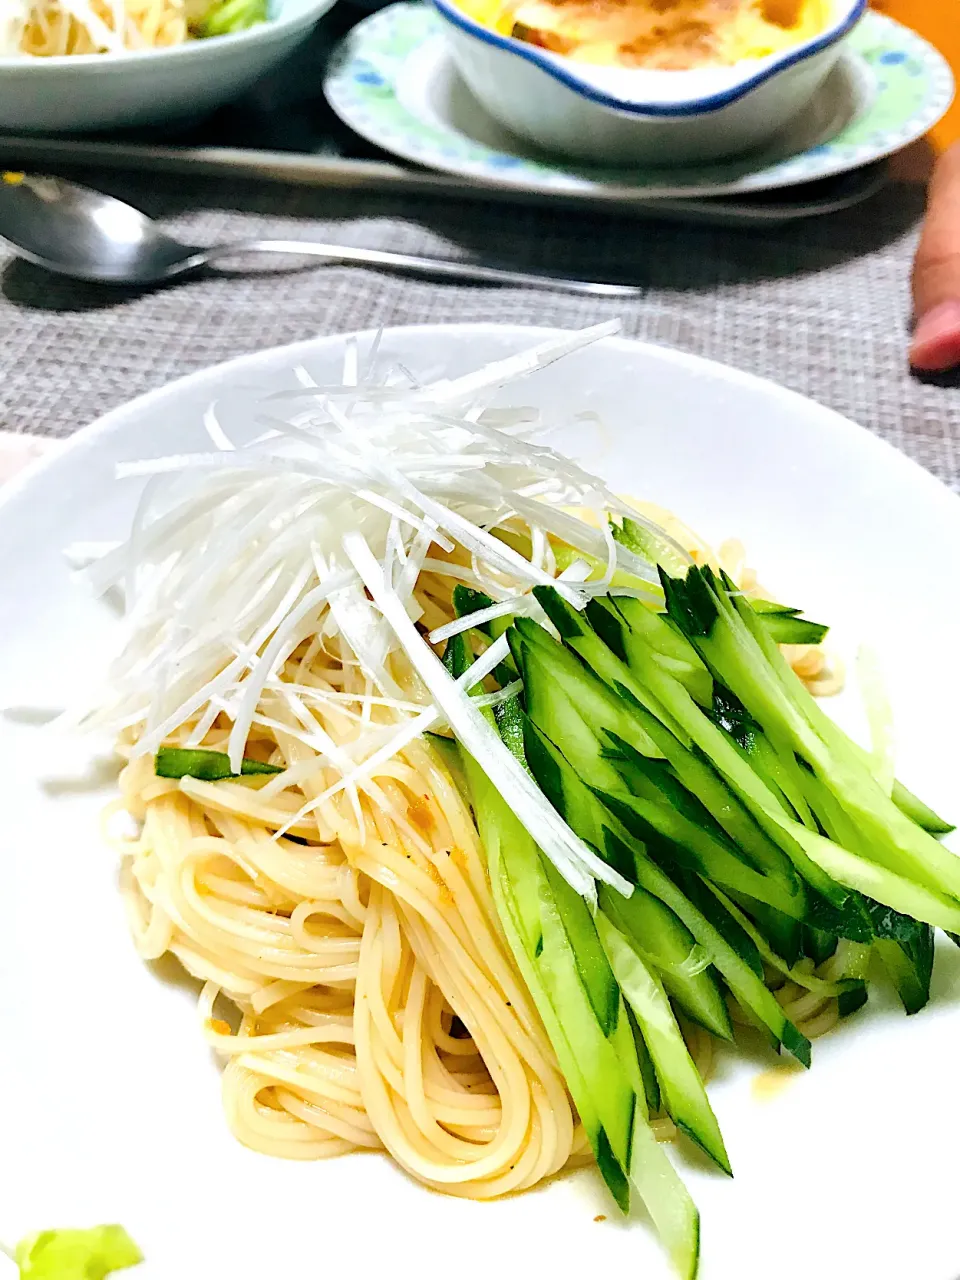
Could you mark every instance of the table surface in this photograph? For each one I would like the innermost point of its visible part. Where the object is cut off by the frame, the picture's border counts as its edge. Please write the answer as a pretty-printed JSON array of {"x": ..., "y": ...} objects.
[{"x": 820, "y": 306}]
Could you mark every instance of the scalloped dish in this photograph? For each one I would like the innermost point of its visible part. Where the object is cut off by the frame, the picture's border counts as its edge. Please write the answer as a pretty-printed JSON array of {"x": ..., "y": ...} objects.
[{"x": 662, "y": 35}]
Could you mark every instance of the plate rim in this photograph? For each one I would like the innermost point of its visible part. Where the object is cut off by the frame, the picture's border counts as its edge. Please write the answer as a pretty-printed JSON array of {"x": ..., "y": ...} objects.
[
  {"x": 340, "y": 90},
  {"x": 90, "y": 434}
]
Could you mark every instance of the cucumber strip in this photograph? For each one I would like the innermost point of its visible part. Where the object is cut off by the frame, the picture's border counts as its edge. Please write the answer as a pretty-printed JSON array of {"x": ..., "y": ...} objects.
[
  {"x": 595, "y": 702},
  {"x": 783, "y": 629},
  {"x": 664, "y": 942},
  {"x": 778, "y": 772},
  {"x": 612, "y": 1091},
  {"x": 850, "y": 960},
  {"x": 578, "y": 636},
  {"x": 700, "y": 779},
  {"x": 681, "y": 1088},
  {"x": 648, "y": 1072},
  {"x": 918, "y": 812},
  {"x": 781, "y": 766},
  {"x": 563, "y": 789},
  {"x": 853, "y": 1000},
  {"x": 209, "y": 766},
  {"x": 725, "y": 757},
  {"x": 736, "y": 647},
  {"x": 508, "y": 717},
  {"x": 449, "y": 754},
  {"x": 884, "y": 886},
  {"x": 541, "y": 949},
  {"x": 910, "y": 968},
  {"x": 667, "y": 1200},
  {"x": 593, "y": 1067},
  {"x": 809, "y": 981},
  {"x": 819, "y": 946},
  {"x": 639, "y": 620},
  {"x": 557, "y": 716},
  {"x": 771, "y": 606},
  {"x": 784, "y": 935},
  {"x": 592, "y": 963},
  {"x": 650, "y": 545},
  {"x": 587, "y": 816},
  {"x": 707, "y": 852},
  {"x": 458, "y": 655},
  {"x": 639, "y": 636},
  {"x": 466, "y": 601},
  {"x": 786, "y": 626}
]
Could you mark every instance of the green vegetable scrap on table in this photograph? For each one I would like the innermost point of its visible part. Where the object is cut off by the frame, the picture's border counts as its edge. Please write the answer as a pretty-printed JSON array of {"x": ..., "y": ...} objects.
[
  {"x": 679, "y": 745},
  {"x": 76, "y": 1254}
]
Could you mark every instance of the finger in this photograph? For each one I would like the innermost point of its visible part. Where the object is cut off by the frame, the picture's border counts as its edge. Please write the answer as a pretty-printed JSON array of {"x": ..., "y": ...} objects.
[{"x": 936, "y": 272}]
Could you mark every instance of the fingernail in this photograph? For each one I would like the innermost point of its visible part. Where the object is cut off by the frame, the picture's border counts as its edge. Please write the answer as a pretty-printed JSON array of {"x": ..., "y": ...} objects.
[{"x": 936, "y": 339}]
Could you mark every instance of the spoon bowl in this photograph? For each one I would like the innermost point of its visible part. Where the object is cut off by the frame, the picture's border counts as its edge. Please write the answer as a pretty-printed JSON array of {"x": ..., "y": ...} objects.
[
  {"x": 77, "y": 232},
  {"x": 74, "y": 231}
]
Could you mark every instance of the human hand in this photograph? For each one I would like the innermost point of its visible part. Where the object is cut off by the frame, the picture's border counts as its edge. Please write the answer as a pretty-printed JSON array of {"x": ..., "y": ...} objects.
[{"x": 936, "y": 273}]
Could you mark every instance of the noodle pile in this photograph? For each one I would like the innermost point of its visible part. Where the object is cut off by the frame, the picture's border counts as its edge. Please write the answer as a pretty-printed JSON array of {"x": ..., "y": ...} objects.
[
  {"x": 52, "y": 29},
  {"x": 60, "y": 28},
  {"x": 378, "y": 1004}
]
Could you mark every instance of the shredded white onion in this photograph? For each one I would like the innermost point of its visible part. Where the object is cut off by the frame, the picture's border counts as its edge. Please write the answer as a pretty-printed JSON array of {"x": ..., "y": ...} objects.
[{"x": 323, "y": 526}]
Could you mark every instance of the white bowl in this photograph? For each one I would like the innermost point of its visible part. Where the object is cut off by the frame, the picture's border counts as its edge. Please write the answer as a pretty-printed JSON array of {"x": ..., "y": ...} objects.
[
  {"x": 618, "y": 115},
  {"x": 109, "y": 91}
]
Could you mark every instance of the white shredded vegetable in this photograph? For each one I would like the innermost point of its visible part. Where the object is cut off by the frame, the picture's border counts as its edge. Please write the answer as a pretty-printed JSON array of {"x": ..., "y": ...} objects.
[{"x": 320, "y": 530}]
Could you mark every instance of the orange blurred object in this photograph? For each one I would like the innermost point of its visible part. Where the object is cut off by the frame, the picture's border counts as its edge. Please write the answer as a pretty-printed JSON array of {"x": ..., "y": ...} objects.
[{"x": 939, "y": 22}]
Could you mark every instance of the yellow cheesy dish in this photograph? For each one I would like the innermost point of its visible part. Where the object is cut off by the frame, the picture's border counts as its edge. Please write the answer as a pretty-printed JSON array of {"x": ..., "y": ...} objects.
[{"x": 667, "y": 35}]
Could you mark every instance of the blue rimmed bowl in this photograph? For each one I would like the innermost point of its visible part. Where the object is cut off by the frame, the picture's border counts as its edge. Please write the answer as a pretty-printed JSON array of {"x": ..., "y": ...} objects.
[{"x": 620, "y": 115}]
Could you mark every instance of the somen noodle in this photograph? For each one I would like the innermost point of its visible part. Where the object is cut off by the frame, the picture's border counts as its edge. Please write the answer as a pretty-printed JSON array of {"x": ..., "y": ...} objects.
[{"x": 356, "y": 978}]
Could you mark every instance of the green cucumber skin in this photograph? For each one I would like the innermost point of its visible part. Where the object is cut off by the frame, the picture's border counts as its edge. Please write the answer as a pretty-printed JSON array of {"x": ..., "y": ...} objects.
[
  {"x": 593, "y": 699},
  {"x": 784, "y": 630},
  {"x": 593, "y": 967},
  {"x": 681, "y": 1088},
  {"x": 624, "y": 1159},
  {"x": 587, "y": 816},
  {"x": 920, "y": 813},
  {"x": 603, "y": 1100},
  {"x": 207, "y": 766},
  {"x": 735, "y": 645},
  {"x": 910, "y": 966},
  {"x": 665, "y": 942}
]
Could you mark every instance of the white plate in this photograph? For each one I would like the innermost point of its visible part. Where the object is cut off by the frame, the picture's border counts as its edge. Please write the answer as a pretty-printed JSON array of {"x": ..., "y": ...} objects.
[
  {"x": 111, "y": 1106},
  {"x": 393, "y": 81}
]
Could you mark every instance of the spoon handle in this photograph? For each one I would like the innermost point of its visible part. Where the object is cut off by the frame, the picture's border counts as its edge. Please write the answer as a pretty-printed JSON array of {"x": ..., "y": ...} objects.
[{"x": 442, "y": 267}]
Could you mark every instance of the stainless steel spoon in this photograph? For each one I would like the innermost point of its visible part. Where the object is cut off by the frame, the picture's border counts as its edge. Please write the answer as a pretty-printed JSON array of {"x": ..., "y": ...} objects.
[{"x": 77, "y": 232}]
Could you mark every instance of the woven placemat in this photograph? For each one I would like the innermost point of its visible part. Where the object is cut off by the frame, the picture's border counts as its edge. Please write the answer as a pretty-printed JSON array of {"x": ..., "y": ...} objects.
[{"x": 820, "y": 306}]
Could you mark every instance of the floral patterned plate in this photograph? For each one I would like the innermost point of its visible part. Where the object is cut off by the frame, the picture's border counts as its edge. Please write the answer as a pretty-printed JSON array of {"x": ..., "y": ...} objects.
[{"x": 393, "y": 82}]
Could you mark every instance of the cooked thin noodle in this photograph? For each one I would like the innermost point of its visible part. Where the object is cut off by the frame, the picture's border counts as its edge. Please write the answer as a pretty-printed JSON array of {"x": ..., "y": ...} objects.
[
  {"x": 52, "y": 30},
  {"x": 369, "y": 999},
  {"x": 378, "y": 1005}
]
